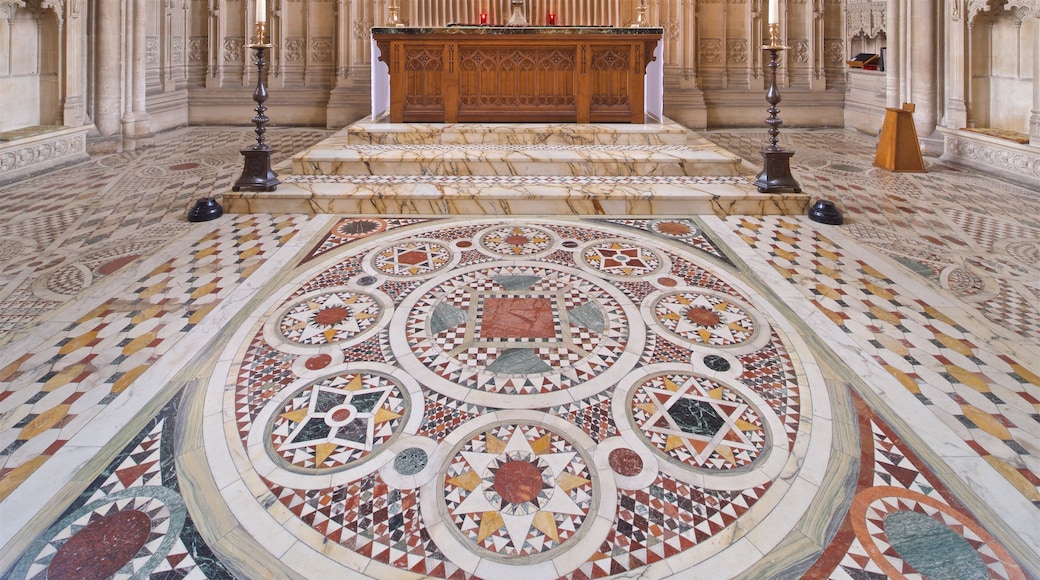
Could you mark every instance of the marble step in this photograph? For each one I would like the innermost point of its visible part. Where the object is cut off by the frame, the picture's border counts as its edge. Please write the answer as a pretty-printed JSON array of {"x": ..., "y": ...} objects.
[
  {"x": 532, "y": 160},
  {"x": 382, "y": 132},
  {"x": 516, "y": 195}
]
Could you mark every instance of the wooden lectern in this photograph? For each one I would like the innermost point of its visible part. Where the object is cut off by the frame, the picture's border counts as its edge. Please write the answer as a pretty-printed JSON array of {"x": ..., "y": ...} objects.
[{"x": 898, "y": 148}]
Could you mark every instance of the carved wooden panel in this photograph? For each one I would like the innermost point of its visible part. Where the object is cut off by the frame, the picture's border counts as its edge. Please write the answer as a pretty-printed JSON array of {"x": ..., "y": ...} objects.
[
  {"x": 517, "y": 78},
  {"x": 575, "y": 77}
]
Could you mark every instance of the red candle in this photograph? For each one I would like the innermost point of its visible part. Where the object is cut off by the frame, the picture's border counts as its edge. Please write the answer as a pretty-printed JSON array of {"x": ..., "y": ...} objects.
[
  {"x": 552, "y": 19},
  {"x": 483, "y": 17}
]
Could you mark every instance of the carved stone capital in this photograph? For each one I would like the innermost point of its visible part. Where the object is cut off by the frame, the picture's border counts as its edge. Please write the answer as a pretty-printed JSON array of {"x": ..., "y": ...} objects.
[{"x": 9, "y": 7}]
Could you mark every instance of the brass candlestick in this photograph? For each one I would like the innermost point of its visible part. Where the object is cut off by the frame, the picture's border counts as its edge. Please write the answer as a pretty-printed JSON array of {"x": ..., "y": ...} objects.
[
  {"x": 393, "y": 19},
  {"x": 517, "y": 18},
  {"x": 257, "y": 174},
  {"x": 776, "y": 162},
  {"x": 640, "y": 15}
]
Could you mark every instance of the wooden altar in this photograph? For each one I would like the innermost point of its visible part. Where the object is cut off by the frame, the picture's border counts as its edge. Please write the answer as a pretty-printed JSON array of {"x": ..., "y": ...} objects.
[{"x": 517, "y": 74}]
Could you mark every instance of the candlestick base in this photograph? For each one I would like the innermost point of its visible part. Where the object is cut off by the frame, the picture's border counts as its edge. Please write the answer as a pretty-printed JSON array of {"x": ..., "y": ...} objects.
[
  {"x": 257, "y": 174},
  {"x": 776, "y": 173}
]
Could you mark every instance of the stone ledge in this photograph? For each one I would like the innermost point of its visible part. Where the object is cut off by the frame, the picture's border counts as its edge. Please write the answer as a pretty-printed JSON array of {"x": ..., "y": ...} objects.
[
  {"x": 994, "y": 156},
  {"x": 42, "y": 151}
]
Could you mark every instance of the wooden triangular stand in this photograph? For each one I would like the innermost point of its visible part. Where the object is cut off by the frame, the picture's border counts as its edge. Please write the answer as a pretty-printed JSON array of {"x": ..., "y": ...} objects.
[{"x": 898, "y": 148}]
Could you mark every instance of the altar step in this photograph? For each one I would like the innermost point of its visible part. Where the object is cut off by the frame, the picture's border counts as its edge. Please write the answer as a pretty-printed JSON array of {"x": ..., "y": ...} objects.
[
  {"x": 659, "y": 149},
  {"x": 376, "y": 167}
]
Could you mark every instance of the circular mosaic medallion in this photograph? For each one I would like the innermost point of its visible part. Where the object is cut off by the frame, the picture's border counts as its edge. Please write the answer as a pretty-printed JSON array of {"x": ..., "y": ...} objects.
[
  {"x": 412, "y": 258},
  {"x": 354, "y": 228},
  {"x": 115, "y": 536},
  {"x": 338, "y": 420},
  {"x": 518, "y": 490},
  {"x": 907, "y": 533},
  {"x": 706, "y": 318},
  {"x": 681, "y": 229},
  {"x": 519, "y": 241},
  {"x": 698, "y": 422},
  {"x": 331, "y": 317},
  {"x": 507, "y": 331},
  {"x": 621, "y": 259}
]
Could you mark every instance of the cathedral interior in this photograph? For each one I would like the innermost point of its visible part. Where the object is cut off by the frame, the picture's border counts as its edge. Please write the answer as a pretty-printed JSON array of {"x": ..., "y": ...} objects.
[{"x": 562, "y": 350}]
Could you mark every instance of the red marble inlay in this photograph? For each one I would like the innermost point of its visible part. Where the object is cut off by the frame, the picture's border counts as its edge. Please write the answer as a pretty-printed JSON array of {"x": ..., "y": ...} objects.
[
  {"x": 341, "y": 414},
  {"x": 625, "y": 462},
  {"x": 116, "y": 264},
  {"x": 667, "y": 282},
  {"x": 517, "y": 318},
  {"x": 317, "y": 362},
  {"x": 518, "y": 481},
  {"x": 517, "y": 240},
  {"x": 673, "y": 228},
  {"x": 703, "y": 316},
  {"x": 464, "y": 244},
  {"x": 332, "y": 315},
  {"x": 183, "y": 166},
  {"x": 412, "y": 258},
  {"x": 103, "y": 547}
]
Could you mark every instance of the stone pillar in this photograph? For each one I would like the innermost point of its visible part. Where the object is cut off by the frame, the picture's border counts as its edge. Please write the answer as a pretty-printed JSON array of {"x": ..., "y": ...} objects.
[
  {"x": 75, "y": 73},
  {"x": 894, "y": 55},
  {"x": 1034, "y": 117},
  {"x": 922, "y": 65},
  {"x": 350, "y": 99},
  {"x": 955, "y": 114},
  {"x": 140, "y": 69},
  {"x": 108, "y": 70}
]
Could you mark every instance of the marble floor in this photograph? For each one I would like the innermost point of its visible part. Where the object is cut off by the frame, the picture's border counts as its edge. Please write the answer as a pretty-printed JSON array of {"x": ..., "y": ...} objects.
[{"x": 450, "y": 396}]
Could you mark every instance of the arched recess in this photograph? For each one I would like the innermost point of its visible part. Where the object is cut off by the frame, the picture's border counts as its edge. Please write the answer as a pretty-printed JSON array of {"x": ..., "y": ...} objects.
[
  {"x": 1004, "y": 41},
  {"x": 30, "y": 63}
]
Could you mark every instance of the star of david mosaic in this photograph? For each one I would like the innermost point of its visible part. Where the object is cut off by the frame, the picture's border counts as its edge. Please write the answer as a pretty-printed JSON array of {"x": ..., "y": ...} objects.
[
  {"x": 329, "y": 318},
  {"x": 706, "y": 318},
  {"x": 337, "y": 420},
  {"x": 698, "y": 422},
  {"x": 518, "y": 490},
  {"x": 414, "y": 258}
]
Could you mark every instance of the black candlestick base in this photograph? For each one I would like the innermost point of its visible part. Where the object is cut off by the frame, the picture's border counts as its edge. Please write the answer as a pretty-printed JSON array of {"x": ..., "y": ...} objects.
[
  {"x": 257, "y": 174},
  {"x": 776, "y": 173}
]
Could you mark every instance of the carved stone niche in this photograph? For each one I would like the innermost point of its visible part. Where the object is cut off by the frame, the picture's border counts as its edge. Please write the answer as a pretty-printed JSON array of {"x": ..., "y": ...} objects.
[{"x": 866, "y": 24}]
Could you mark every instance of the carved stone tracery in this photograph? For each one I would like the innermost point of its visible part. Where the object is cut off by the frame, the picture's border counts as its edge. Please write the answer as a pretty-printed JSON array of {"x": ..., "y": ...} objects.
[{"x": 868, "y": 18}]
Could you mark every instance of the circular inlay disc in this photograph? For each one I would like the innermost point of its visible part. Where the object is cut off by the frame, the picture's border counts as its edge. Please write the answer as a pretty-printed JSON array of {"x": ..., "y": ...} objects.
[
  {"x": 517, "y": 241},
  {"x": 337, "y": 421},
  {"x": 518, "y": 490},
  {"x": 512, "y": 333},
  {"x": 698, "y": 317},
  {"x": 333, "y": 317}
]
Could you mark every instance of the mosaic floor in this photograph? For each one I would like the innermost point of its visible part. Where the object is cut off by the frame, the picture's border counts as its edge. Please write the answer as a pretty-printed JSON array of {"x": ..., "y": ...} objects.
[{"x": 453, "y": 397}]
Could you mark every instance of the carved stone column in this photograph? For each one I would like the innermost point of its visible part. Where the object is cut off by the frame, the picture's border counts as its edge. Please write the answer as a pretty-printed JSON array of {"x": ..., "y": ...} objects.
[
  {"x": 956, "y": 66},
  {"x": 893, "y": 56},
  {"x": 140, "y": 70},
  {"x": 351, "y": 96},
  {"x": 108, "y": 74},
  {"x": 1034, "y": 117},
  {"x": 74, "y": 75},
  {"x": 921, "y": 78}
]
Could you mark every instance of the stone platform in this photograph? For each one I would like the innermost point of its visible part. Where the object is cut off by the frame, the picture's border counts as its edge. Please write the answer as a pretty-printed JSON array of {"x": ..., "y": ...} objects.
[{"x": 374, "y": 166}]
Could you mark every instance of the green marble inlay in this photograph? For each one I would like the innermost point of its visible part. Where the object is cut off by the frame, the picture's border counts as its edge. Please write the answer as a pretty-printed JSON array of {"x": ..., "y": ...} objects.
[
  {"x": 932, "y": 548},
  {"x": 518, "y": 361},
  {"x": 445, "y": 316},
  {"x": 517, "y": 282},
  {"x": 917, "y": 267},
  {"x": 696, "y": 417},
  {"x": 588, "y": 315}
]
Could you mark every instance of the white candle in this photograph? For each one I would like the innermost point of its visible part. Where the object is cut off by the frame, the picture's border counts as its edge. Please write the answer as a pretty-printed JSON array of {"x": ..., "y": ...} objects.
[
  {"x": 774, "y": 12},
  {"x": 261, "y": 11}
]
